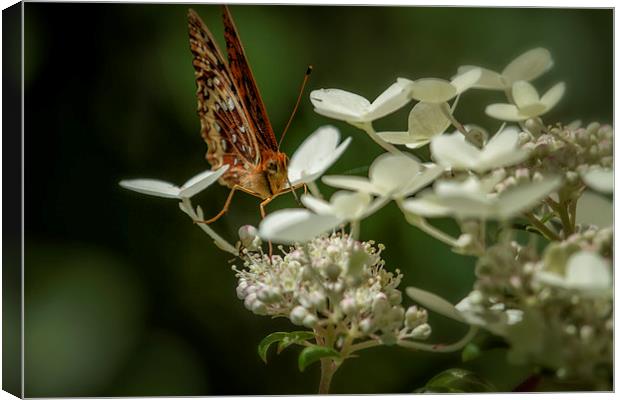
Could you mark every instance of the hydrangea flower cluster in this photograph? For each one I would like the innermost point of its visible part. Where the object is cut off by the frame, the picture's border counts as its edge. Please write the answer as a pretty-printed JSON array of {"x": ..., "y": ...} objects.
[
  {"x": 528, "y": 186},
  {"x": 555, "y": 310},
  {"x": 332, "y": 282}
]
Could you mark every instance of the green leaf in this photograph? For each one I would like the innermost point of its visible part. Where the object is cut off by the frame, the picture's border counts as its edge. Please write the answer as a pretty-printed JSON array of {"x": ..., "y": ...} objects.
[
  {"x": 470, "y": 352},
  {"x": 313, "y": 354},
  {"x": 457, "y": 380},
  {"x": 285, "y": 338},
  {"x": 264, "y": 344},
  {"x": 294, "y": 338}
]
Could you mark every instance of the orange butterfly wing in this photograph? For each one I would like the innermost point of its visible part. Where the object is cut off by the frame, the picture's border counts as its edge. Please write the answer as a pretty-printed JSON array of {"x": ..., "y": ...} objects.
[
  {"x": 225, "y": 123},
  {"x": 248, "y": 91}
]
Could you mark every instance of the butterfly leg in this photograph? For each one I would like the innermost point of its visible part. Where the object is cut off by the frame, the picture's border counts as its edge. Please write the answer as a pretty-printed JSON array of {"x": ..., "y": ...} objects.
[{"x": 224, "y": 209}]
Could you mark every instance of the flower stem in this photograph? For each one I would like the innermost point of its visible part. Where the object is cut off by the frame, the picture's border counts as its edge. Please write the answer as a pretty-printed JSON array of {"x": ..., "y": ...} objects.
[
  {"x": 440, "y": 348},
  {"x": 448, "y": 113},
  {"x": 542, "y": 228},
  {"x": 187, "y": 208},
  {"x": 328, "y": 368},
  {"x": 354, "y": 230},
  {"x": 364, "y": 345},
  {"x": 314, "y": 189},
  {"x": 436, "y": 233},
  {"x": 367, "y": 127}
]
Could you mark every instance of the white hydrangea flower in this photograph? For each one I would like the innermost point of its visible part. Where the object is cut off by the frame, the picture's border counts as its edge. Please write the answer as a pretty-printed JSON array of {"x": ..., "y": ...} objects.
[
  {"x": 594, "y": 209},
  {"x": 159, "y": 188},
  {"x": 599, "y": 179},
  {"x": 439, "y": 91},
  {"x": 435, "y": 303},
  {"x": 390, "y": 175},
  {"x": 296, "y": 225},
  {"x": 349, "y": 206},
  {"x": 332, "y": 280},
  {"x": 456, "y": 152},
  {"x": 526, "y": 67},
  {"x": 473, "y": 198},
  {"x": 353, "y": 108},
  {"x": 528, "y": 103},
  {"x": 496, "y": 319},
  {"x": 426, "y": 120},
  {"x": 315, "y": 155},
  {"x": 585, "y": 271},
  {"x": 322, "y": 216}
]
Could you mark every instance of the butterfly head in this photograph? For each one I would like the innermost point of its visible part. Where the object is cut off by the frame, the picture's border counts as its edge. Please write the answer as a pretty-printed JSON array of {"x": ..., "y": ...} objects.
[{"x": 276, "y": 171}]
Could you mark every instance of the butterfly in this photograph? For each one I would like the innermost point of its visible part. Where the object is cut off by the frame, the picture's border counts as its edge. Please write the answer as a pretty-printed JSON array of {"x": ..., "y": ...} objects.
[{"x": 233, "y": 118}]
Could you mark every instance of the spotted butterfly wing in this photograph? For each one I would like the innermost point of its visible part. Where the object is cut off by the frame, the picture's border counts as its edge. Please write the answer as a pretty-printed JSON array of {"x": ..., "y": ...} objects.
[
  {"x": 232, "y": 117},
  {"x": 248, "y": 91}
]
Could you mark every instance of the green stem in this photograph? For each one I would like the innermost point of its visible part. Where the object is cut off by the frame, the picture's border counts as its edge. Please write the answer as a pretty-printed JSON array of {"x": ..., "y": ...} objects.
[
  {"x": 314, "y": 189},
  {"x": 567, "y": 225},
  {"x": 542, "y": 228},
  {"x": 573, "y": 212},
  {"x": 355, "y": 229},
  {"x": 328, "y": 368},
  {"x": 429, "y": 229},
  {"x": 187, "y": 207},
  {"x": 440, "y": 348},
  {"x": 367, "y": 127},
  {"x": 445, "y": 108},
  {"x": 364, "y": 345}
]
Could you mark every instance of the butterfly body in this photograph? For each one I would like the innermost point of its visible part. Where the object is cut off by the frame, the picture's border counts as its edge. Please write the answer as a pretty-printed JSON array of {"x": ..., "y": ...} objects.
[{"x": 233, "y": 119}]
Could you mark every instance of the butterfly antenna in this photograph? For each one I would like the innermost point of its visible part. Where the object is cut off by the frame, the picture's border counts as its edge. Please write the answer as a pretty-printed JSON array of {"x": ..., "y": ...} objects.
[{"x": 301, "y": 92}]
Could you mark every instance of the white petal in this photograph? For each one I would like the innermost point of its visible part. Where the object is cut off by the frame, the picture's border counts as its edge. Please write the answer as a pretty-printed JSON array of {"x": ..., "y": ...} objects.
[
  {"x": 501, "y": 151},
  {"x": 152, "y": 187},
  {"x": 525, "y": 196},
  {"x": 505, "y": 112},
  {"x": 392, "y": 99},
  {"x": 599, "y": 179},
  {"x": 339, "y": 104},
  {"x": 588, "y": 271},
  {"x": 315, "y": 155},
  {"x": 529, "y": 65},
  {"x": 424, "y": 178},
  {"x": 469, "y": 205},
  {"x": 434, "y": 303},
  {"x": 395, "y": 137},
  {"x": 350, "y": 205},
  {"x": 488, "y": 79},
  {"x": 452, "y": 150},
  {"x": 318, "y": 206},
  {"x": 466, "y": 80},
  {"x": 524, "y": 94},
  {"x": 426, "y": 205},
  {"x": 427, "y": 120},
  {"x": 594, "y": 209},
  {"x": 201, "y": 181},
  {"x": 417, "y": 143},
  {"x": 295, "y": 225},
  {"x": 553, "y": 95},
  {"x": 432, "y": 90},
  {"x": 355, "y": 183},
  {"x": 389, "y": 172}
]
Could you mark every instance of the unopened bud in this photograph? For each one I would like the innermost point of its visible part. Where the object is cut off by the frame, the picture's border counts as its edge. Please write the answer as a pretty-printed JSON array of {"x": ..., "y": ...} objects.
[
  {"x": 297, "y": 315},
  {"x": 310, "y": 321},
  {"x": 366, "y": 326},
  {"x": 248, "y": 235},
  {"x": 348, "y": 306},
  {"x": 421, "y": 332}
]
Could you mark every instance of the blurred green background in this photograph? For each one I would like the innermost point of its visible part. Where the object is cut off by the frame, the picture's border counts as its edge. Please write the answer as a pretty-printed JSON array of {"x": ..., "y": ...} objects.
[{"x": 123, "y": 295}]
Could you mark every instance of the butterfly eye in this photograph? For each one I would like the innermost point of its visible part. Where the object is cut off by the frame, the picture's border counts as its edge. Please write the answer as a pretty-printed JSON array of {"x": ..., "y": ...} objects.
[{"x": 272, "y": 167}]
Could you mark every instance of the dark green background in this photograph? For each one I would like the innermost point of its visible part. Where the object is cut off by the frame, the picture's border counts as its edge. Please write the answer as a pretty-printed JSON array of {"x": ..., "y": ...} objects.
[{"x": 123, "y": 295}]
